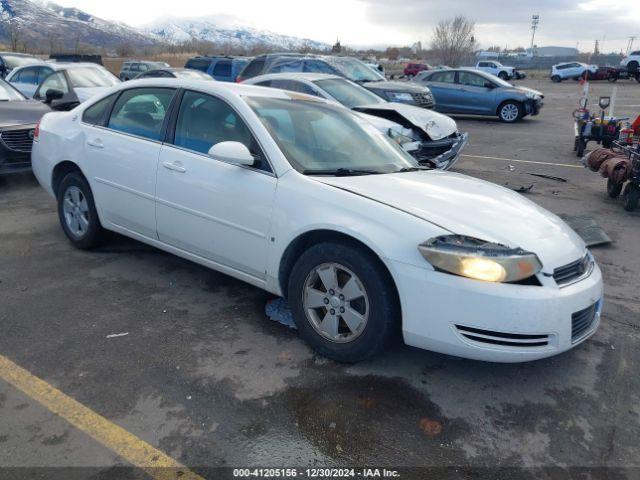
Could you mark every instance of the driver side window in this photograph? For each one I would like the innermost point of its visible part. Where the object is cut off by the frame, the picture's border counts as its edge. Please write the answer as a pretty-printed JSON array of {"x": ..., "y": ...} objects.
[{"x": 55, "y": 81}]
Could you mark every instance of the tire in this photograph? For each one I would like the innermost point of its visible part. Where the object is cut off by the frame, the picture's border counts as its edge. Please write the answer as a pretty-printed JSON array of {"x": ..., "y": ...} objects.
[
  {"x": 503, "y": 76},
  {"x": 632, "y": 67},
  {"x": 580, "y": 147},
  {"x": 77, "y": 207},
  {"x": 612, "y": 79},
  {"x": 556, "y": 79},
  {"x": 374, "y": 300},
  {"x": 510, "y": 111},
  {"x": 613, "y": 188},
  {"x": 631, "y": 197}
]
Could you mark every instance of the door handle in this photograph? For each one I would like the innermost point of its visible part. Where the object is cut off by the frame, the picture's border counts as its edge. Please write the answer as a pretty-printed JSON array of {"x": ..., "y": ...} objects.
[
  {"x": 96, "y": 143},
  {"x": 176, "y": 167}
]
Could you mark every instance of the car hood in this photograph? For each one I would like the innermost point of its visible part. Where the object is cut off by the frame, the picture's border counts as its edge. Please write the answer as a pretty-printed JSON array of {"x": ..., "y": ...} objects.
[
  {"x": 523, "y": 90},
  {"x": 85, "y": 93},
  {"x": 468, "y": 206},
  {"x": 395, "y": 87},
  {"x": 21, "y": 112},
  {"x": 434, "y": 124}
]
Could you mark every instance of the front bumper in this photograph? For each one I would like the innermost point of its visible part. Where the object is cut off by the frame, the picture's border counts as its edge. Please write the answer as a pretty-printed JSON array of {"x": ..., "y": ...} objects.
[
  {"x": 530, "y": 322},
  {"x": 533, "y": 107},
  {"x": 441, "y": 154},
  {"x": 15, "y": 149}
]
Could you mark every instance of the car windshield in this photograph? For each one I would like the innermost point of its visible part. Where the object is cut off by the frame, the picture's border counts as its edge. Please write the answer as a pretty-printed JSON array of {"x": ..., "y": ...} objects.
[
  {"x": 86, "y": 77},
  {"x": 355, "y": 70},
  {"x": 8, "y": 93},
  {"x": 347, "y": 93},
  {"x": 322, "y": 139},
  {"x": 15, "y": 61},
  {"x": 192, "y": 75}
]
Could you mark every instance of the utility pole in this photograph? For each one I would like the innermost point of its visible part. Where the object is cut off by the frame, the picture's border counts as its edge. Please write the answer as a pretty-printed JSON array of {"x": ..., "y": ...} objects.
[
  {"x": 535, "y": 20},
  {"x": 630, "y": 44},
  {"x": 595, "y": 49}
]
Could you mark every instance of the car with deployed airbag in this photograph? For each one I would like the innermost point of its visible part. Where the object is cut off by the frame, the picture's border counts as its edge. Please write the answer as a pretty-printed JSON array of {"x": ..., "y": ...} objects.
[
  {"x": 431, "y": 138},
  {"x": 309, "y": 201}
]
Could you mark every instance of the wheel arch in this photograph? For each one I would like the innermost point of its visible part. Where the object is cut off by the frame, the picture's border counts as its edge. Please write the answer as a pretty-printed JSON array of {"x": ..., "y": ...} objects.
[
  {"x": 61, "y": 170},
  {"x": 309, "y": 238}
]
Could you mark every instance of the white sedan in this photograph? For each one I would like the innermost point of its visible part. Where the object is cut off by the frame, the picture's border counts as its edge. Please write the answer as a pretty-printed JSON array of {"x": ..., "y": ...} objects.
[{"x": 305, "y": 199}]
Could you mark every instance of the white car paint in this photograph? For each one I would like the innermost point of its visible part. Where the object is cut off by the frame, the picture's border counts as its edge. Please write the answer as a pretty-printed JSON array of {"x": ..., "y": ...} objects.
[
  {"x": 496, "y": 68},
  {"x": 570, "y": 70},
  {"x": 631, "y": 61},
  {"x": 240, "y": 221}
]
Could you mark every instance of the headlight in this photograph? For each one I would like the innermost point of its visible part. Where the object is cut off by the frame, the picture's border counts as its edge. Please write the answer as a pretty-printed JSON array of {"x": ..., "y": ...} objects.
[
  {"x": 480, "y": 260},
  {"x": 399, "y": 96},
  {"x": 399, "y": 137},
  {"x": 532, "y": 96}
]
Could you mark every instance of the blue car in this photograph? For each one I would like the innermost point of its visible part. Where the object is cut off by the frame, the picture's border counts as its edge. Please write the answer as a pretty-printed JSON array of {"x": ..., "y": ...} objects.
[
  {"x": 472, "y": 92},
  {"x": 222, "y": 68}
]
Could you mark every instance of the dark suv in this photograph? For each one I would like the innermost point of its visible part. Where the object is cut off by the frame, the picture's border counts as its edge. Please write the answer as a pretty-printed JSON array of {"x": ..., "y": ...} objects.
[
  {"x": 347, "y": 67},
  {"x": 222, "y": 68}
]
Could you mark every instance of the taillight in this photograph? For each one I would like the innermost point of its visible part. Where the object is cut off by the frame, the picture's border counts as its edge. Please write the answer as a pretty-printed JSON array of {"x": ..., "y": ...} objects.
[
  {"x": 238, "y": 80},
  {"x": 36, "y": 132}
]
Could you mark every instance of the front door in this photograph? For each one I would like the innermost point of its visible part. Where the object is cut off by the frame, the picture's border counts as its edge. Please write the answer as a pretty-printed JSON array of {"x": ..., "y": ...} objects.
[
  {"x": 210, "y": 208},
  {"x": 475, "y": 95}
]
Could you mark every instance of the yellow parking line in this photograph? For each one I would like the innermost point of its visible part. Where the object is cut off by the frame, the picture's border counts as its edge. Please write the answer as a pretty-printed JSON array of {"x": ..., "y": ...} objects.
[
  {"x": 136, "y": 451},
  {"x": 523, "y": 161}
]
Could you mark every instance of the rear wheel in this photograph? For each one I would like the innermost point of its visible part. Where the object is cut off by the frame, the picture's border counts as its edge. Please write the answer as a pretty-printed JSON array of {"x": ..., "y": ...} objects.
[
  {"x": 510, "y": 111},
  {"x": 613, "y": 188},
  {"x": 503, "y": 76},
  {"x": 343, "y": 301},
  {"x": 556, "y": 79},
  {"x": 77, "y": 212},
  {"x": 612, "y": 78},
  {"x": 631, "y": 197},
  {"x": 632, "y": 67}
]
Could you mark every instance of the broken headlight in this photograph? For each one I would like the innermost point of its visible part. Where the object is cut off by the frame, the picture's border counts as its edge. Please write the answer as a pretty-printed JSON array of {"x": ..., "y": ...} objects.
[{"x": 473, "y": 258}]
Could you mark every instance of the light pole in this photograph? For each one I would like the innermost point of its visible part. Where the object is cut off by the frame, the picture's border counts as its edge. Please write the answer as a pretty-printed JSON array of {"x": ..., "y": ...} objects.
[{"x": 535, "y": 20}]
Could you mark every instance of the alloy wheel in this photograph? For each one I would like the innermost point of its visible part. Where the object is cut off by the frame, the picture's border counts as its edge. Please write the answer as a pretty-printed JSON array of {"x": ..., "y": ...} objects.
[
  {"x": 510, "y": 112},
  {"x": 335, "y": 302},
  {"x": 76, "y": 211}
]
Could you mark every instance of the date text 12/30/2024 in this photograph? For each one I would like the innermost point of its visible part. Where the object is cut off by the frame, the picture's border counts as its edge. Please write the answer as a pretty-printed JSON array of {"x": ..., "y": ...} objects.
[{"x": 315, "y": 473}]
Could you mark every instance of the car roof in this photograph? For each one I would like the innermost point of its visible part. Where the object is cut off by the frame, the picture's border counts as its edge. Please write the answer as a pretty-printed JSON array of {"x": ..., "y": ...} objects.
[
  {"x": 308, "y": 76},
  {"x": 234, "y": 89},
  {"x": 18, "y": 54},
  {"x": 67, "y": 65}
]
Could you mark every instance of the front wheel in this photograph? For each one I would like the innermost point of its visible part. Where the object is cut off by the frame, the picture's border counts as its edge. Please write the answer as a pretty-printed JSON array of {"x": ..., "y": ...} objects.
[
  {"x": 613, "y": 188},
  {"x": 612, "y": 78},
  {"x": 510, "y": 112},
  {"x": 556, "y": 79},
  {"x": 77, "y": 212},
  {"x": 631, "y": 197},
  {"x": 343, "y": 301},
  {"x": 503, "y": 76}
]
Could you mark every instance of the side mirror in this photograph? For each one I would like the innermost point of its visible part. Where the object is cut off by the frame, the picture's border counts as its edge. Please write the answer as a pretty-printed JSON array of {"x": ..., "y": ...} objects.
[
  {"x": 52, "y": 95},
  {"x": 232, "y": 152}
]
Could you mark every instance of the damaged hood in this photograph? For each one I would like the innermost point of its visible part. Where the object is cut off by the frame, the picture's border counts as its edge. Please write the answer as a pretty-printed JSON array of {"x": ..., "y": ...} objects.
[
  {"x": 468, "y": 206},
  {"x": 434, "y": 124}
]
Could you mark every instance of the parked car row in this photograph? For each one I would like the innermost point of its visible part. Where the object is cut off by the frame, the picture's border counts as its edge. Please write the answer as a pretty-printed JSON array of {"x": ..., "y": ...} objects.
[
  {"x": 580, "y": 71},
  {"x": 306, "y": 199}
]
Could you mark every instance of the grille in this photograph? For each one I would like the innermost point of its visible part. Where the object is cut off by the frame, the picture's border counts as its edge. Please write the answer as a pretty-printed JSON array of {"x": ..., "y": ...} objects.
[
  {"x": 502, "y": 338},
  {"x": 18, "y": 140},
  {"x": 582, "y": 321},
  {"x": 423, "y": 99},
  {"x": 573, "y": 271}
]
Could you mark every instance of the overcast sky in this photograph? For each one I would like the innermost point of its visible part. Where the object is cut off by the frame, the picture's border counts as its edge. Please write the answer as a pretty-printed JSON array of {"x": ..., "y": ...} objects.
[{"x": 402, "y": 22}]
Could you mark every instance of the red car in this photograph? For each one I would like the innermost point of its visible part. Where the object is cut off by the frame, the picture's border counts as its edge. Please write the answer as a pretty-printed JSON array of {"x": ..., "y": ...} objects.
[{"x": 412, "y": 69}]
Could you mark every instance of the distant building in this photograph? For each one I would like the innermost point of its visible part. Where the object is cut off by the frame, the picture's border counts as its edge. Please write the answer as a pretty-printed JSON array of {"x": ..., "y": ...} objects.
[{"x": 553, "y": 51}]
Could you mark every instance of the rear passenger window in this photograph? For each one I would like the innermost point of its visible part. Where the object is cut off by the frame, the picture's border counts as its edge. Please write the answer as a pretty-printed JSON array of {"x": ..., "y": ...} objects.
[
  {"x": 201, "y": 64},
  {"x": 141, "y": 111},
  {"x": 443, "y": 77},
  {"x": 254, "y": 68},
  {"x": 95, "y": 114},
  {"x": 222, "y": 68}
]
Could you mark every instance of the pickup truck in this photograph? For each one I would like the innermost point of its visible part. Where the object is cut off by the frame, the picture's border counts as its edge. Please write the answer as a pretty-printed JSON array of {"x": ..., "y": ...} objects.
[{"x": 497, "y": 69}]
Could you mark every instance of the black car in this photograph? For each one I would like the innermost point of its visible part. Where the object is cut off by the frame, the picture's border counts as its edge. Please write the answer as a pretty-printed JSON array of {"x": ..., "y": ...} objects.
[
  {"x": 18, "y": 119},
  {"x": 11, "y": 60},
  {"x": 347, "y": 67},
  {"x": 184, "y": 73}
]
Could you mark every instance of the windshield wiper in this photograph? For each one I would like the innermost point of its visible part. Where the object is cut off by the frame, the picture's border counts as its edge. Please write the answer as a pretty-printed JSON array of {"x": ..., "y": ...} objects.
[
  {"x": 412, "y": 169},
  {"x": 341, "y": 172}
]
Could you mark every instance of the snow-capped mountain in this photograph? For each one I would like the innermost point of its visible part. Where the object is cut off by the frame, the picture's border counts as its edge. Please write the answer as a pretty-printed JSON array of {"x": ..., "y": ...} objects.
[
  {"x": 236, "y": 35},
  {"x": 43, "y": 24}
]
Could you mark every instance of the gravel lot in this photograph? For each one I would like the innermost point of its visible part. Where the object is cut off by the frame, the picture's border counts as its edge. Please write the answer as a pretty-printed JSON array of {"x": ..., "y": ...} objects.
[{"x": 206, "y": 378}]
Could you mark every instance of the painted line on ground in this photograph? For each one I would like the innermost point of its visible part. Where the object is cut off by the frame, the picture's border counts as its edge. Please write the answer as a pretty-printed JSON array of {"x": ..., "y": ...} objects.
[
  {"x": 522, "y": 161},
  {"x": 131, "y": 448}
]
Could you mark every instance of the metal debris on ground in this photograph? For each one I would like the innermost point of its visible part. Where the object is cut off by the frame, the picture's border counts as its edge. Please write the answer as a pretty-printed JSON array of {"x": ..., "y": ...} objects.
[
  {"x": 520, "y": 188},
  {"x": 588, "y": 229},
  {"x": 278, "y": 310},
  {"x": 550, "y": 177}
]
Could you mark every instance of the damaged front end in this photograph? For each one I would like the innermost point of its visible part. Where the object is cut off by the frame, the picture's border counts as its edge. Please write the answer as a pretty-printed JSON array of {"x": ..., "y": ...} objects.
[{"x": 431, "y": 138}]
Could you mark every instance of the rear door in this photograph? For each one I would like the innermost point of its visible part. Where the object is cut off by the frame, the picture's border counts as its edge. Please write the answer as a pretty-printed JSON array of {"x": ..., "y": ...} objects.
[
  {"x": 122, "y": 146},
  {"x": 445, "y": 90}
]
